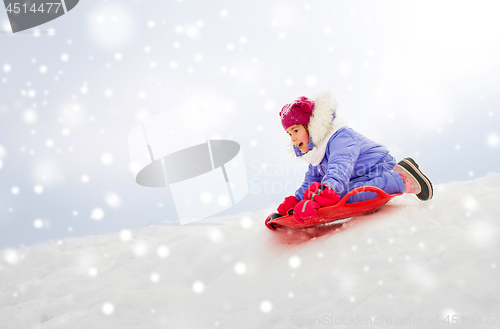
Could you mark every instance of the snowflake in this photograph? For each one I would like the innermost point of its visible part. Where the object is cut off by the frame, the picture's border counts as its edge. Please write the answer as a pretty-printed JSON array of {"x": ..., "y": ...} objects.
[
  {"x": 246, "y": 222},
  {"x": 38, "y": 223},
  {"x": 97, "y": 214},
  {"x": 294, "y": 262},
  {"x": 108, "y": 308},
  {"x": 198, "y": 287},
  {"x": 266, "y": 306},
  {"x": 163, "y": 251},
  {"x": 113, "y": 200},
  {"x": 38, "y": 189},
  {"x": 125, "y": 235},
  {"x": 240, "y": 268},
  {"x": 155, "y": 277},
  {"x": 107, "y": 158}
]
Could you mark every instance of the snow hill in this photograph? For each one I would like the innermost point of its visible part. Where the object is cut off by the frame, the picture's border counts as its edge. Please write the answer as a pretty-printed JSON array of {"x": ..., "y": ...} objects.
[{"x": 412, "y": 264}]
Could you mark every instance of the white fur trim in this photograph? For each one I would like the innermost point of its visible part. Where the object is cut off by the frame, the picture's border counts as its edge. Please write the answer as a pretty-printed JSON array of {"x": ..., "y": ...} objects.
[
  {"x": 320, "y": 123},
  {"x": 321, "y": 128},
  {"x": 316, "y": 155}
]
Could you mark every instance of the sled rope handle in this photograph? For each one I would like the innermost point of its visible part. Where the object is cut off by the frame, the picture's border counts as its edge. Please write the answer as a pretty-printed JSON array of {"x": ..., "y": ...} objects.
[{"x": 380, "y": 193}]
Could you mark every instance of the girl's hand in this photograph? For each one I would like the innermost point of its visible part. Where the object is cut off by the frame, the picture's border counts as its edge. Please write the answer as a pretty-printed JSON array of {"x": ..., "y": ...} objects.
[
  {"x": 304, "y": 210},
  {"x": 322, "y": 194},
  {"x": 287, "y": 205}
]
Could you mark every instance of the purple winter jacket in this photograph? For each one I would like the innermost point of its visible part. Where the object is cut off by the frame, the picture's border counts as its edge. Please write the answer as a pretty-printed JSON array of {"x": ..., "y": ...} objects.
[{"x": 352, "y": 160}]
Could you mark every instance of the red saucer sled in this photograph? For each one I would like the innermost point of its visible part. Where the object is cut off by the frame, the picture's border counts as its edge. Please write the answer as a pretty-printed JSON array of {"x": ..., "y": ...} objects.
[{"x": 338, "y": 213}]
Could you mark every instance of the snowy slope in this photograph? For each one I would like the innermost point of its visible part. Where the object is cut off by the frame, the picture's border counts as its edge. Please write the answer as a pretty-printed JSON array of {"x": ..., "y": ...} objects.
[{"x": 411, "y": 264}]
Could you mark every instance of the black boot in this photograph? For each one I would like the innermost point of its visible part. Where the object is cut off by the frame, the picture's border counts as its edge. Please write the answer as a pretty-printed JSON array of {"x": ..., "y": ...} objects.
[{"x": 408, "y": 166}]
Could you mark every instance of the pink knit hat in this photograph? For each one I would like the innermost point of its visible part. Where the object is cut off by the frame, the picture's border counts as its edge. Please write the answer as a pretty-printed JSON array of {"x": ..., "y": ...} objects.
[{"x": 297, "y": 113}]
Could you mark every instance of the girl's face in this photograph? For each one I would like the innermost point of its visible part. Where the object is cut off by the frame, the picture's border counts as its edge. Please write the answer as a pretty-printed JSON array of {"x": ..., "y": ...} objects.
[{"x": 299, "y": 136}]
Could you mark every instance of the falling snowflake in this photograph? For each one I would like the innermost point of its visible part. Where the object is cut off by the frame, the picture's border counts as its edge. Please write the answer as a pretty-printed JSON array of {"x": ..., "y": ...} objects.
[
  {"x": 470, "y": 204},
  {"x": 192, "y": 31},
  {"x": 246, "y": 222},
  {"x": 113, "y": 200},
  {"x": 84, "y": 89},
  {"x": 266, "y": 306},
  {"x": 294, "y": 262},
  {"x": 92, "y": 271},
  {"x": 493, "y": 140},
  {"x": 151, "y": 24},
  {"x": 38, "y": 189},
  {"x": 240, "y": 268},
  {"x": 11, "y": 256},
  {"x": 224, "y": 200},
  {"x": 125, "y": 235},
  {"x": 97, "y": 214},
  {"x": 198, "y": 287},
  {"x": 155, "y": 277},
  {"x": 108, "y": 308},
  {"x": 29, "y": 116},
  {"x": 38, "y": 223},
  {"x": 163, "y": 251},
  {"x": 107, "y": 158},
  {"x": 215, "y": 235},
  {"x": 140, "y": 249}
]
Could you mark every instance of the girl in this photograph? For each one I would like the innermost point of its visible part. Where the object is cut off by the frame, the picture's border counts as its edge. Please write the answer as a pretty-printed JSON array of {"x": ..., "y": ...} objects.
[{"x": 340, "y": 160}]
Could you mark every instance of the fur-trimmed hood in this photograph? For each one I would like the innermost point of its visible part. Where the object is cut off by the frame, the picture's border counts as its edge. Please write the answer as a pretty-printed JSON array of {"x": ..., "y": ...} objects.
[
  {"x": 323, "y": 123},
  {"x": 321, "y": 120}
]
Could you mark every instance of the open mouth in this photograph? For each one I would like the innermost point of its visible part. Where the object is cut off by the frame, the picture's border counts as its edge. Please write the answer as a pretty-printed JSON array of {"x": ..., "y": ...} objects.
[{"x": 300, "y": 145}]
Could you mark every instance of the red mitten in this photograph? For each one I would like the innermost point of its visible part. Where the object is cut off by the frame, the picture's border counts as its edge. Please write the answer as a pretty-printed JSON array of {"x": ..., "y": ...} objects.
[
  {"x": 311, "y": 190},
  {"x": 322, "y": 194},
  {"x": 289, "y": 203},
  {"x": 304, "y": 210}
]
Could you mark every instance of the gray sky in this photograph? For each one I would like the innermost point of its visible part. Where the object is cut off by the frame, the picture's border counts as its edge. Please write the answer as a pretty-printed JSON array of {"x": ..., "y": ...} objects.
[{"x": 420, "y": 77}]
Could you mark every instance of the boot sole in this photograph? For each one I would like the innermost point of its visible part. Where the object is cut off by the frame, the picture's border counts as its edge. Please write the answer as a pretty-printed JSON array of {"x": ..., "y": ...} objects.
[{"x": 426, "y": 190}]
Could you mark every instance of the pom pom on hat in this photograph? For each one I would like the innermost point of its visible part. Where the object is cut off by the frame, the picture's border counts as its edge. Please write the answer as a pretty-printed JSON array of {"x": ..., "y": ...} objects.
[{"x": 297, "y": 113}]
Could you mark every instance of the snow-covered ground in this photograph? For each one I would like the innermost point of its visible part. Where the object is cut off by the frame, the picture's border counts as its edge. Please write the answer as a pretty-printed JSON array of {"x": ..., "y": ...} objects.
[{"x": 412, "y": 264}]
